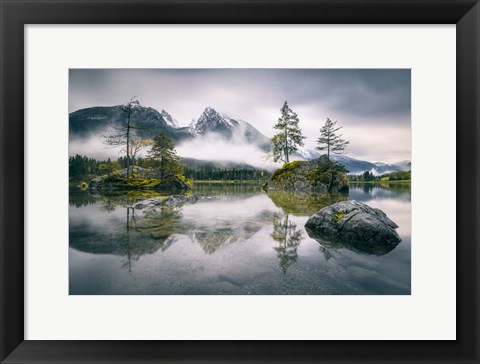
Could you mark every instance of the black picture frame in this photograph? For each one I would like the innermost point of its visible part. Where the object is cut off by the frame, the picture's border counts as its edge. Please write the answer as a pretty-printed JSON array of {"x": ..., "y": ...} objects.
[{"x": 15, "y": 14}]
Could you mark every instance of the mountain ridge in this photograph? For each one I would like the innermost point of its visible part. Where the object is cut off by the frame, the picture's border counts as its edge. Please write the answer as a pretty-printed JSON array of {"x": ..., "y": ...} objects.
[{"x": 98, "y": 119}]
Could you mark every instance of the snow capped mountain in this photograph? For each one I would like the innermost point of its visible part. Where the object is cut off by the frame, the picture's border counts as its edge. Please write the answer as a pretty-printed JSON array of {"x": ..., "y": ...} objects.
[
  {"x": 209, "y": 128},
  {"x": 211, "y": 121},
  {"x": 96, "y": 120},
  {"x": 357, "y": 166},
  {"x": 404, "y": 166},
  {"x": 308, "y": 154},
  {"x": 149, "y": 122},
  {"x": 169, "y": 120}
]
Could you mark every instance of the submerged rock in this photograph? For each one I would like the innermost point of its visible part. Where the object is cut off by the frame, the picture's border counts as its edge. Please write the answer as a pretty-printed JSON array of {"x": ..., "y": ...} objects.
[
  {"x": 173, "y": 200},
  {"x": 356, "y": 225}
]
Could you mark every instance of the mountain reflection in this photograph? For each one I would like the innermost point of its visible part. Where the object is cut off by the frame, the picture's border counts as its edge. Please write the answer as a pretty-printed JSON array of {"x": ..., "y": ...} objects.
[
  {"x": 132, "y": 238},
  {"x": 223, "y": 221},
  {"x": 124, "y": 231}
]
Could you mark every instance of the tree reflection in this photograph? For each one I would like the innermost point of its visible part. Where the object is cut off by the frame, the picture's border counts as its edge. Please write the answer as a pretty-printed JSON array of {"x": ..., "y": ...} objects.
[
  {"x": 327, "y": 252},
  {"x": 138, "y": 233},
  {"x": 289, "y": 237},
  {"x": 128, "y": 264}
]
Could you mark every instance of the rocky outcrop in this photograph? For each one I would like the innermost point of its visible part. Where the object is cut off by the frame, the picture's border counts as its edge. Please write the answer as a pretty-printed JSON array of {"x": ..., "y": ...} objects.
[
  {"x": 317, "y": 175},
  {"x": 140, "y": 178},
  {"x": 354, "y": 225}
]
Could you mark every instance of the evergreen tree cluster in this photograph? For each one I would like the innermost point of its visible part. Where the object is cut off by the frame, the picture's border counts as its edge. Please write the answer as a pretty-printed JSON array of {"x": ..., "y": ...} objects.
[
  {"x": 207, "y": 173},
  {"x": 289, "y": 136},
  {"x": 368, "y": 176},
  {"x": 82, "y": 168}
]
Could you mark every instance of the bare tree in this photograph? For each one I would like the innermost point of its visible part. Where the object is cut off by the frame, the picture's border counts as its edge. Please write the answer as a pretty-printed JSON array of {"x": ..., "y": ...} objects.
[
  {"x": 122, "y": 134},
  {"x": 136, "y": 145}
]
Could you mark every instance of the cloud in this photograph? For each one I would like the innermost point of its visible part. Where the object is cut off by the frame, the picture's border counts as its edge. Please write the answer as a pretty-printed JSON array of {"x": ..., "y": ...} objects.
[
  {"x": 93, "y": 146},
  {"x": 366, "y": 102},
  {"x": 212, "y": 147}
]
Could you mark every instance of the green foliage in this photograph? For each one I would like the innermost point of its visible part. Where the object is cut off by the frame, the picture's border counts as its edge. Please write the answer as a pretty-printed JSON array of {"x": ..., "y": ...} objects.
[
  {"x": 132, "y": 183},
  {"x": 108, "y": 168},
  {"x": 329, "y": 173},
  {"x": 287, "y": 169},
  {"x": 399, "y": 176},
  {"x": 288, "y": 238},
  {"x": 185, "y": 180},
  {"x": 340, "y": 215},
  {"x": 388, "y": 177},
  {"x": 210, "y": 173},
  {"x": 329, "y": 140},
  {"x": 326, "y": 172},
  {"x": 82, "y": 168},
  {"x": 301, "y": 203},
  {"x": 163, "y": 155},
  {"x": 289, "y": 136},
  {"x": 368, "y": 176}
]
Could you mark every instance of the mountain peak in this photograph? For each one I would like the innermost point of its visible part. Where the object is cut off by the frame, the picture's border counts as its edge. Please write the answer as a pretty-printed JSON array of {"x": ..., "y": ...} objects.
[
  {"x": 168, "y": 119},
  {"x": 212, "y": 121},
  {"x": 210, "y": 111}
]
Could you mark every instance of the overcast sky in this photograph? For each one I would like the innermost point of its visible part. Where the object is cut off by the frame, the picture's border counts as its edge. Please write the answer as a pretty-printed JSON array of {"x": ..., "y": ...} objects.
[{"x": 373, "y": 106}]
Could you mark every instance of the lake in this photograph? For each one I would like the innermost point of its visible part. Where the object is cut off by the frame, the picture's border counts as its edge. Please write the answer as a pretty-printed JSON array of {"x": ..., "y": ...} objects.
[{"x": 235, "y": 240}]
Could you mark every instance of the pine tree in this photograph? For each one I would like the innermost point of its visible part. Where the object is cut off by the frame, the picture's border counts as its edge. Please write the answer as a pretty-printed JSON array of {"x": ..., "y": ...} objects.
[
  {"x": 329, "y": 139},
  {"x": 289, "y": 137},
  {"x": 163, "y": 154}
]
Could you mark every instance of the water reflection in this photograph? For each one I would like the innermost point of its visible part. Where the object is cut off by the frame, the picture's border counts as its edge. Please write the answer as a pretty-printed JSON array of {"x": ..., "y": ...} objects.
[
  {"x": 124, "y": 233},
  {"x": 380, "y": 190},
  {"x": 223, "y": 220},
  {"x": 303, "y": 203},
  {"x": 288, "y": 236},
  {"x": 327, "y": 247},
  {"x": 213, "y": 223},
  {"x": 231, "y": 241}
]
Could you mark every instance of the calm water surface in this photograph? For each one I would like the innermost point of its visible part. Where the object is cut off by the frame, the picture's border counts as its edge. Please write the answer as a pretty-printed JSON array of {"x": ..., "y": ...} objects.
[{"x": 234, "y": 240}]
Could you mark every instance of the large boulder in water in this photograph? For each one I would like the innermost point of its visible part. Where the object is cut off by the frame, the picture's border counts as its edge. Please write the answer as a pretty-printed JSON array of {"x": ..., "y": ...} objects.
[{"x": 355, "y": 225}]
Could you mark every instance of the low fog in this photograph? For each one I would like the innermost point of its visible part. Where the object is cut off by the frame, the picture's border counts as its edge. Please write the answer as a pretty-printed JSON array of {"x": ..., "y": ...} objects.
[
  {"x": 210, "y": 147},
  {"x": 93, "y": 146}
]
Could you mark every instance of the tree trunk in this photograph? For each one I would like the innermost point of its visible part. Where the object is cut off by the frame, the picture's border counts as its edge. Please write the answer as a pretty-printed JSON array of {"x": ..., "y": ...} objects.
[
  {"x": 286, "y": 146},
  {"x": 128, "y": 142},
  {"x": 161, "y": 169}
]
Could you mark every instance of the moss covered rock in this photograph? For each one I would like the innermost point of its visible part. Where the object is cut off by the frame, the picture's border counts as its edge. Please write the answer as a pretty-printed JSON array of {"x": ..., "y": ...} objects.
[
  {"x": 318, "y": 175},
  {"x": 140, "y": 178},
  {"x": 354, "y": 225}
]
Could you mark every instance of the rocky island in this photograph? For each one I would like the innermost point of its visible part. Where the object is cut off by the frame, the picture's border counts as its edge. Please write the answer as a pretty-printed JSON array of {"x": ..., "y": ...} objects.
[
  {"x": 140, "y": 178},
  {"x": 317, "y": 175}
]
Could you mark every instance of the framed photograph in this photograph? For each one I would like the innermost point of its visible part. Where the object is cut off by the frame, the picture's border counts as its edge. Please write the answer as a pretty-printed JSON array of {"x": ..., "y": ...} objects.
[{"x": 240, "y": 181}]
